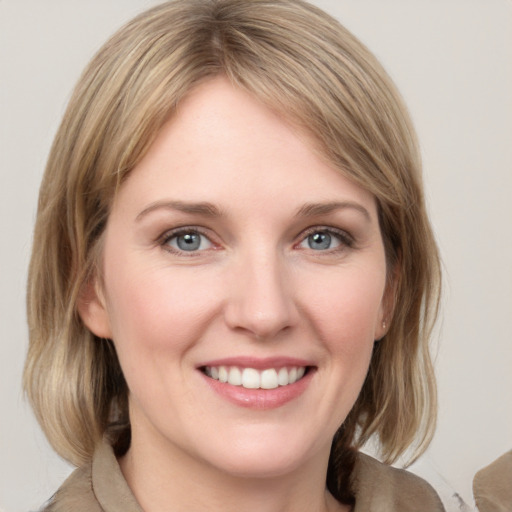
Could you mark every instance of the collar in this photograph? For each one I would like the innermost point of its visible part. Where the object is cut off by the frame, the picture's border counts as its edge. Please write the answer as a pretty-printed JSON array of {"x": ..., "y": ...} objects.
[
  {"x": 378, "y": 487},
  {"x": 109, "y": 485}
]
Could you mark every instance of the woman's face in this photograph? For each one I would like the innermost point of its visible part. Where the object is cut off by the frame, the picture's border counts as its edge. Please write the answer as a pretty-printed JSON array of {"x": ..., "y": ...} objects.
[{"x": 243, "y": 287}]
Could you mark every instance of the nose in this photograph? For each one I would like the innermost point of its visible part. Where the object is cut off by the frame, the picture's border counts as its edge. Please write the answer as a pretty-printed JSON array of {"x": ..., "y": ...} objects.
[{"x": 261, "y": 300}]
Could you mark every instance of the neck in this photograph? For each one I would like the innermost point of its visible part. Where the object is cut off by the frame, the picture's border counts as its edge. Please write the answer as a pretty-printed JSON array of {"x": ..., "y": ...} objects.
[{"x": 164, "y": 478}]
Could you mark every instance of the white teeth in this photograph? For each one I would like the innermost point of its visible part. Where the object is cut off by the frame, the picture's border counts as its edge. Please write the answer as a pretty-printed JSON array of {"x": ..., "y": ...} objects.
[
  {"x": 269, "y": 379},
  {"x": 251, "y": 378},
  {"x": 282, "y": 377},
  {"x": 223, "y": 374},
  {"x": 235, "y": 376}
]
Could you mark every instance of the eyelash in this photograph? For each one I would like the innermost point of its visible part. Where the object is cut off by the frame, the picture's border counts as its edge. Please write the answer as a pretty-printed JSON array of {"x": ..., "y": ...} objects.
[{"x": 344, "y": 238}]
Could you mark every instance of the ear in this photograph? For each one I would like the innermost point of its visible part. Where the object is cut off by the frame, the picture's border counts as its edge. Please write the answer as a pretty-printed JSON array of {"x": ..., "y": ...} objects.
[
  {"x": 388, "y": 303},
  {"x": 92, "y": 309}
]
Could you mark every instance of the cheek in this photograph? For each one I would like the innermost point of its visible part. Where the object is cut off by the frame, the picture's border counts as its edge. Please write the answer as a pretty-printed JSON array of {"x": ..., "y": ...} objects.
[
  {"x": 346, "y": 308},
  {"x": 156, "y": 311},
  {"x": 157, "y": 317}
]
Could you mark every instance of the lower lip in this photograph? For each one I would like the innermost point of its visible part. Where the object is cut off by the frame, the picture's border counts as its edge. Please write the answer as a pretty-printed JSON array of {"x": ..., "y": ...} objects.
[{"x": 260, "y": 398}]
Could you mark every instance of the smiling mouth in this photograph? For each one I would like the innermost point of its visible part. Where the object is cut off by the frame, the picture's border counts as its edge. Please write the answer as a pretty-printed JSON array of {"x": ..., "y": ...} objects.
[{"x": 251, "y": 378}]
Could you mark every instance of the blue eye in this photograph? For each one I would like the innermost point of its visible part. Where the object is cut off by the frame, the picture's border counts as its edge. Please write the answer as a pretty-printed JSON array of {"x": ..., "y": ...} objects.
[
  {"x": 189, "y": 241},
  {"x": 322, "y": 240},
  {"x": 319, "y": 241}
]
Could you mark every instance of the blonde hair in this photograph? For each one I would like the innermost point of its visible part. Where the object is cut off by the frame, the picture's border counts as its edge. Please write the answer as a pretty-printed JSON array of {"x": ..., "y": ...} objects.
[{"x": 300, "y": 62}]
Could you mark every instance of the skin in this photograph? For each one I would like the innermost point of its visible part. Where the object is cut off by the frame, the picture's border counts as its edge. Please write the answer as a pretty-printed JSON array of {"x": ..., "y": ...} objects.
[{"x": 255, "y": 287}]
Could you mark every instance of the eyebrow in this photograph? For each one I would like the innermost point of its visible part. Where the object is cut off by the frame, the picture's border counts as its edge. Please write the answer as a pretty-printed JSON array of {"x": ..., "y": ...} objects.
[
  {"x": 317, "y": 209},
  {"x": 203, "y": 208},
  {"x": 207, "y": 209}
]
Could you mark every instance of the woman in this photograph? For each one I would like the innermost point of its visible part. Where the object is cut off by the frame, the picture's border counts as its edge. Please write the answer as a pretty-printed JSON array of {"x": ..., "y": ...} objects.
[{"x": 234, "y": 278}]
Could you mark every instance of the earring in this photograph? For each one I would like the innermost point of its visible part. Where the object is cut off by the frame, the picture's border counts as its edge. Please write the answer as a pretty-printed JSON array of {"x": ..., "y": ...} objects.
[{"x": 384, "y": 326}]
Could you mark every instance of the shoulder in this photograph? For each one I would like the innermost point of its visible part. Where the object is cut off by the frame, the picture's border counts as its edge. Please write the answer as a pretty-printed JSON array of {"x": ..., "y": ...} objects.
[
  {"x": 379, "y": 487},
  {"x": 75, "y": 494},
  {"x": 492, "y": 485},
  {"x": 96, "y": 487}
]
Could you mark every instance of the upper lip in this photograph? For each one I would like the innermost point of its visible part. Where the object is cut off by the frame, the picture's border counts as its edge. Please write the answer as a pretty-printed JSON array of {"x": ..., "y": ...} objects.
[{"x": 258, "y": 363}]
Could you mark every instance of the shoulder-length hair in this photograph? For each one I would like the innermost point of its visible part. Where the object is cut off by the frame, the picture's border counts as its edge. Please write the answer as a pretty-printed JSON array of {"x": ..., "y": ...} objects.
[{"x": 303, "y": 64}]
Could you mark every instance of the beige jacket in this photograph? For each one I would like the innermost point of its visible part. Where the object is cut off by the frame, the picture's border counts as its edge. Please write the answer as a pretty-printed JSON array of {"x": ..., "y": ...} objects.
[
  {"x": 492, "y": 486},
  {"x": 101, "y": 487}
]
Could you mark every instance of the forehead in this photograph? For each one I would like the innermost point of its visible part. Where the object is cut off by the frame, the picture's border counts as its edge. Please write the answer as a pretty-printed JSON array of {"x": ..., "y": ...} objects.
[{"x": 223, "y": 145}]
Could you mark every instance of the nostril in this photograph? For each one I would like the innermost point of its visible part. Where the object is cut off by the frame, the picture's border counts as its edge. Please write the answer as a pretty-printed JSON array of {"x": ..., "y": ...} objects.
[{"x": 261, "y": 325}]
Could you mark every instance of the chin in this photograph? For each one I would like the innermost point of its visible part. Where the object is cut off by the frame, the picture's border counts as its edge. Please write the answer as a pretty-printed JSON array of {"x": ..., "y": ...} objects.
[
  {"x": 261, "y": 467},
  {"x": 265, "y": 459}
]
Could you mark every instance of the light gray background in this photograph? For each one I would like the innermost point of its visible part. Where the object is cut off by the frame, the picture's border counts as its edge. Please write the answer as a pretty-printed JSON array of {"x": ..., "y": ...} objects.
[{"x": 452, "y": 60}]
